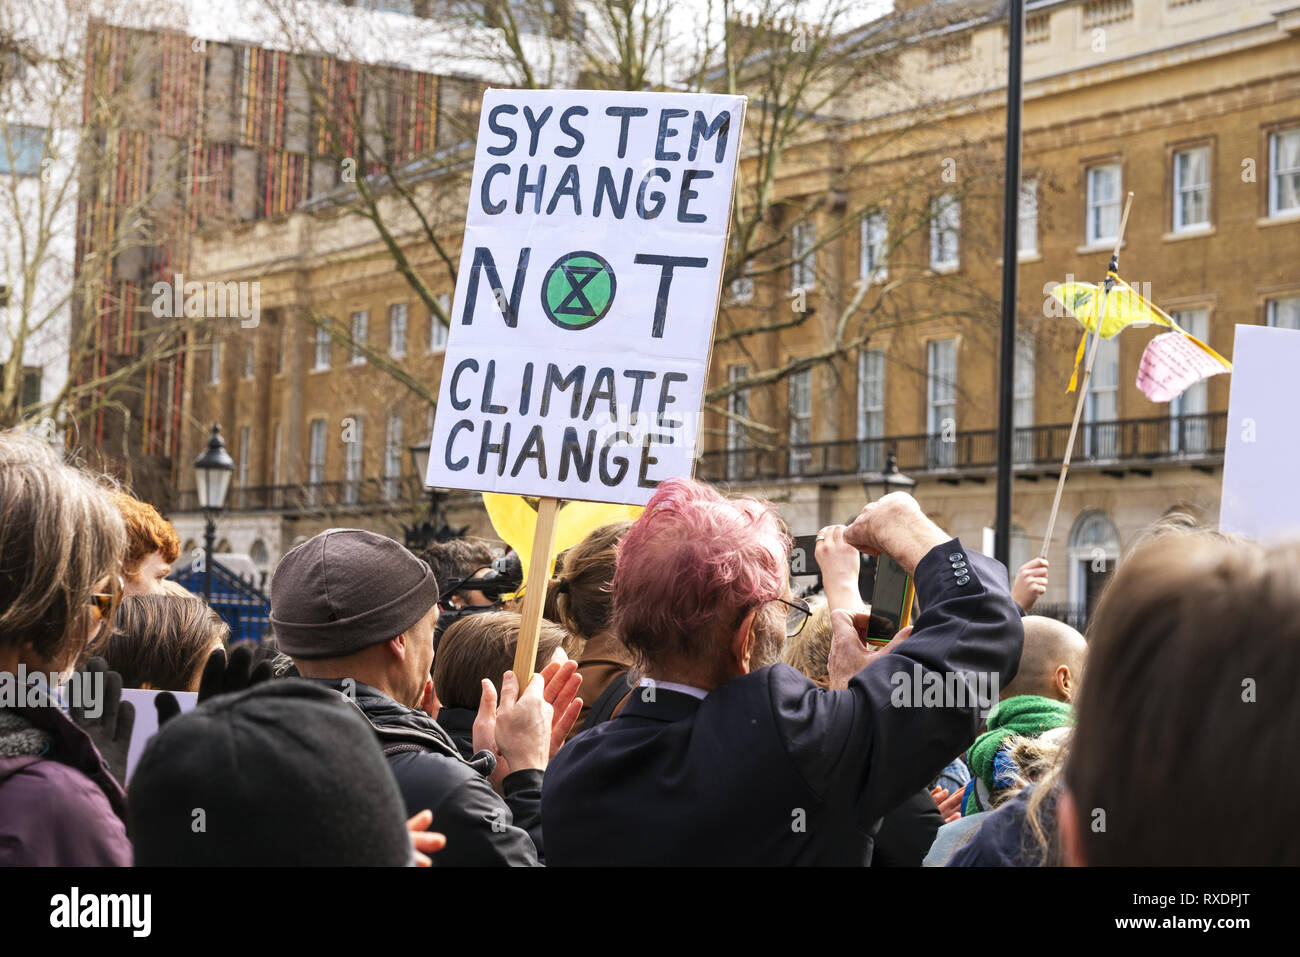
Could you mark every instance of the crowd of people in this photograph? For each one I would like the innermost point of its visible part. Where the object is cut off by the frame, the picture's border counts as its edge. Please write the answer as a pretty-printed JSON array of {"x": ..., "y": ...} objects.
[{"x": 686, "y": 705}]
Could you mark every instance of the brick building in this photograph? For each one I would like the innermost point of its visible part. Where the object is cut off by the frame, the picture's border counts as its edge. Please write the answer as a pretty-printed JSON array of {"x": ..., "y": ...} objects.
[{"x": 1192, "y": 105}]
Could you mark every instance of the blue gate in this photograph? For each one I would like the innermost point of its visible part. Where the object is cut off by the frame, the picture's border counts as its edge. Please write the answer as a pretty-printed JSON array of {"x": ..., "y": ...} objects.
[{"x": 241, "y": 605}]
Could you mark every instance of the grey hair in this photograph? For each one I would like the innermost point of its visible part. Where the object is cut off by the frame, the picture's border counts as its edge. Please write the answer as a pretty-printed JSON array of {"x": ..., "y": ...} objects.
[{"x": 60, "y": 534}]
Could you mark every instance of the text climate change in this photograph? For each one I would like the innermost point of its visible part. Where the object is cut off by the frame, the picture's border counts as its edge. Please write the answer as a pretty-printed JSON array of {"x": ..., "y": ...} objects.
[{"x": 587, "y": 292}]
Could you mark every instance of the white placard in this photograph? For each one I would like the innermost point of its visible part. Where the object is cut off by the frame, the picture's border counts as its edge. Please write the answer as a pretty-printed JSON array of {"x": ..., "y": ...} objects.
[
  {"x": 146, "y": 719},
  {"x": 1262, "y": 454},
  {"x": 587, "y": 292}
]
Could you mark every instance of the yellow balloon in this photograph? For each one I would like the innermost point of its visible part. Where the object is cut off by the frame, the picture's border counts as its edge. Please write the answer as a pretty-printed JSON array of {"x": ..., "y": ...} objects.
[{"x": 515, "y": 521}]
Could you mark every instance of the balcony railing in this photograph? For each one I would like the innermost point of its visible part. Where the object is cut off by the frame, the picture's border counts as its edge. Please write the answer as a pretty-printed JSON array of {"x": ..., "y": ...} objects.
[
  {"x": 362, "y": 494},
  {"x": 1123, "y": 443},
  {"x": 1126, "y": 443}
]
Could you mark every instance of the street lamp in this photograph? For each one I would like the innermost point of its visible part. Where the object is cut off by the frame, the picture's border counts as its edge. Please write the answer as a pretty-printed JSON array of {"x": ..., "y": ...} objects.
[
  {"x": 212, "y": 472},
  {"x": 890, "y": 479},
  {"x": 434, "y": 528},
  {"x": 420, "y": 457}
]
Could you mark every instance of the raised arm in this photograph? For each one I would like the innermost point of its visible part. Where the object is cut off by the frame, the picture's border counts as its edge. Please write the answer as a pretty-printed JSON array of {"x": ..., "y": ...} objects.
[{"x": 906, "y": 714}]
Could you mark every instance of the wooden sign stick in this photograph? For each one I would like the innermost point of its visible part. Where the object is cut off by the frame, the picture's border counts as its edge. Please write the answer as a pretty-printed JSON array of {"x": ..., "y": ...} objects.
[
  {"x": 1087, "y": 375},
  {"x": 539, "y": 567}
]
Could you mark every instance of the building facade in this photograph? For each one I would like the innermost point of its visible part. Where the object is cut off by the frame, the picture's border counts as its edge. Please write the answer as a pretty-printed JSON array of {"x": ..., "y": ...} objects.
[
  {"x": 219, "y": 114},
  {"x": 1193, "y": 105}
]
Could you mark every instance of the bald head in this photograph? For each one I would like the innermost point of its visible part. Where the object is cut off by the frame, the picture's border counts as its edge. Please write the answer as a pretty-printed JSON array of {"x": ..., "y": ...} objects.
[{"x": 1051, "y": 662}]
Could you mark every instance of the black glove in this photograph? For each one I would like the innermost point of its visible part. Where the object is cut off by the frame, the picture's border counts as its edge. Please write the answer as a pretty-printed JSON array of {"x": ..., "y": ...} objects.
[
  {"x": 167, "y": 706},
  {"x": 222, "y": 676},
  {"x": 111, "y": 728}
]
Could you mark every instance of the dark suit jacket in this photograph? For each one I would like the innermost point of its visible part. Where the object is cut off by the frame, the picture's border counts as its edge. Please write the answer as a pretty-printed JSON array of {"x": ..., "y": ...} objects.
[{"x": 771, "y": 769}]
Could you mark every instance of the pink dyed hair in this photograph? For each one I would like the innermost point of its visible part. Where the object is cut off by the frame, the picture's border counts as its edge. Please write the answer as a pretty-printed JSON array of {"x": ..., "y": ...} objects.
[{"x": 691, "y": 567}]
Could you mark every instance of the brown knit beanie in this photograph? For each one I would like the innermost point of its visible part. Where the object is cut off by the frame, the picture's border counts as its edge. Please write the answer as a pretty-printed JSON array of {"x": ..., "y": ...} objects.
[{"x": 346, "y": 589}]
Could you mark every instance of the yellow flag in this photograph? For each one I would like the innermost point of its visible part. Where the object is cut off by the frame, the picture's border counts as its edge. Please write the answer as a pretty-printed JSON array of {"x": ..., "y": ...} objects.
[
  {"x": 1123, "y": 306},
  {"x": 515, "y": 519}
]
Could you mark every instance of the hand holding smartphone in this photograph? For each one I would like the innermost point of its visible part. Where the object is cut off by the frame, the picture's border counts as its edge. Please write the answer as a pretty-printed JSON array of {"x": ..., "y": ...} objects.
[{"x": 891, "y": 601}]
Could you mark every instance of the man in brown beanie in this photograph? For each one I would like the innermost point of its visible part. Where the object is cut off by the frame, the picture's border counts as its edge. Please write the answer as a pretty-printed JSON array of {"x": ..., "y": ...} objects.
[{"x": 356, "y": 612}]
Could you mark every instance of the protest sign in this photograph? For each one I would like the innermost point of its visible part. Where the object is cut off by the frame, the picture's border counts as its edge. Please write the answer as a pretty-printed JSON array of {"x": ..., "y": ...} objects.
[
  {"x": 146, "y": 719},
  {"x": 1262, "y": 453},
  {"x": 588, "y": 287}
]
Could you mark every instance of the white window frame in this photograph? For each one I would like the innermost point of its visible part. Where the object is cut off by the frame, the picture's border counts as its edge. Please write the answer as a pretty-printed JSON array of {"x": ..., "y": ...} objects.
[
  {"x": 1027, "y": 218},
  {"x": 1191, "y": 436},
  {"x": 803, "y": 256},
  {"x": 742, "y": 289},
  {"x": 352, "y": 462},
  {"x": 1183, "y": 189},
  {"x": 393, "y": 456},
  {"x": 873, "y": 265},
  {"x": 276, "y": 438},
  {"x": 214, "y": 362},
  {"x": 316, "y": 439},
  {"x": 1100, "y": 441},
  {"x": 1084, "y": 552},
  {"x": 737, "y": 433},
  {"x": 1274, "y": 313},
  {"x": 397, "y": 314},
  {"x": 360, "y": 322},
  {"x": 323, "y": 342},
  {"x": 437, "y": 331},
  {"x": 1276, "y": 172},
  {"x": 1096, "y": 205},
  {"x": 244, "y": 456},
  {"x": 798, "y": 395},
  {"x": 871, "y": 410},
  {"x": 945, "y": 225},
  {"x": 941, "y": 397},
  {"x": 1022, "y": 416},
  {"x": 250, "y": 361}
]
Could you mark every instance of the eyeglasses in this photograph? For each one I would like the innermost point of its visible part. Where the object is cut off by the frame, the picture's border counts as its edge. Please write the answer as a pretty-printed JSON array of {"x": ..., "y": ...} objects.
[{"x": 796, "y": 616}]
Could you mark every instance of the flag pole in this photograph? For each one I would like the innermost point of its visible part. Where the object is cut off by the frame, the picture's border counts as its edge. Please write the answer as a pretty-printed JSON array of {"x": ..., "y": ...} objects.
[{"x": 1111, "y": 270}]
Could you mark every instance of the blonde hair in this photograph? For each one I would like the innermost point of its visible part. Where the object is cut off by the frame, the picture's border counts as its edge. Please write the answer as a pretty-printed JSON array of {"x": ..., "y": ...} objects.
[
  {"x": 578, "y": 598},
  {"x": 1034, "y": 758},
  {"x": 809, "y": 651},
  {"x": 60, "y": 535}
]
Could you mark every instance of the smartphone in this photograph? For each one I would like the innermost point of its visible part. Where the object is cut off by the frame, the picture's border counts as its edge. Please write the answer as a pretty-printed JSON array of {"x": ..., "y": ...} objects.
[{"x": 891, "y": 601}]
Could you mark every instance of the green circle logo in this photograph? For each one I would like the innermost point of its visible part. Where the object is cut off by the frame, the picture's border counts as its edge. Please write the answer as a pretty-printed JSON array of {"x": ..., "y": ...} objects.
[{"x": 578, "y": 290}]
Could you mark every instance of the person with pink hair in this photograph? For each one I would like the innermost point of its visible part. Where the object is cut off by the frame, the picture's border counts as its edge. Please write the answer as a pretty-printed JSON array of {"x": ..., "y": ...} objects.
[{"x": 723, "y": 756}]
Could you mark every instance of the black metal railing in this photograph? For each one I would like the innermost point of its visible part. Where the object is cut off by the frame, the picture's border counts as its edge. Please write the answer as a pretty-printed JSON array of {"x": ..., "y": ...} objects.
[
  {"x": 1076, "y": 616},
  {"x": 1125, "y": 442},
  {"x": 368, "y": 494}
]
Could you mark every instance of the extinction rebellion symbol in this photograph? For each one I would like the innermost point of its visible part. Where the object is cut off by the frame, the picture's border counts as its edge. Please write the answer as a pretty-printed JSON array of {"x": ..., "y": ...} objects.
[{"x": 578, "y": 290}]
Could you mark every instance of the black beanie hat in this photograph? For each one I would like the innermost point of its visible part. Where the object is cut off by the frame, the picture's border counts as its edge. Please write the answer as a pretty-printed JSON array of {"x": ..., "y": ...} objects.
[
  {"x": 346, "y": 589},
  {"x": 285, "y": 773}
]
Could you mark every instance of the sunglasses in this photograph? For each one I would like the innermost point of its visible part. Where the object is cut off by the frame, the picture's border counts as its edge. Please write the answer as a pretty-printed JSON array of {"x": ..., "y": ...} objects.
[{"x": 105, "y": 603}]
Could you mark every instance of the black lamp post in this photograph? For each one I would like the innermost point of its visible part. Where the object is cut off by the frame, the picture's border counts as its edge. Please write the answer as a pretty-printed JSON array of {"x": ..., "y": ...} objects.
[
  {"x": 890, "y": 479},
  {"x": 212, "y": 472},
  {"x": 434, "y": 528}
]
